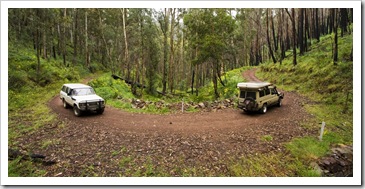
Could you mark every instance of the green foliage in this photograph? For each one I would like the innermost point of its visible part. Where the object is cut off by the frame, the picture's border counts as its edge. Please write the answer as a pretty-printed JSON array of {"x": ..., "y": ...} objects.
[
  {"x": 308, "y": 148},
  {"x": 230, "y": 78},
  {"x": 21, "y": 168},
  {"x": 329, "y": 87},
  {"x": 23, "y": 70},
  {"x": 266, "y": 138},
  {"x": 272, "y": 165},
  {"x": 28, "y": 95},
  {"x": 109, "y": 88}
]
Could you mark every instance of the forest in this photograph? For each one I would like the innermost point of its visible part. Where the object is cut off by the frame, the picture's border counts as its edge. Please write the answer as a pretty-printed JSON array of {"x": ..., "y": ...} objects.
[
  {"x": 169, "y": 77},
  {"x": 174, "y": 48}
]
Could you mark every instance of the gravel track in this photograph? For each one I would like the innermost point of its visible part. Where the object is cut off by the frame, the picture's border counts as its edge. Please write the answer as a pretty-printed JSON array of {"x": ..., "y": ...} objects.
[{"x": 205, "y": 140}]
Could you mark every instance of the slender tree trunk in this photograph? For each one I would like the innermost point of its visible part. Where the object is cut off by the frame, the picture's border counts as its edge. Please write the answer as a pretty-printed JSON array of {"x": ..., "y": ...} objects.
[
  {"x": 109, "y": 51},
  {"x": 335, "y": 54},
  {"x": 215, "y": 81},
  {"x": 300, "y": 33},
  {"x": 282, "y": 41},
  {"x": 273, "y": 33},
  {"x": 165, "y": 28},
  {"x": 268, "y": 37},
  {"x": 126, "y": 52},
  {"x": 38, "y": 51},
  {"x": 86, "y": 42},
  {"x": 171, "y": 66},
  {"x": 64, "y": 46},
  {"x": 343, "y": 20},
  {"x": 287, "y": 33},
  {"x": 75, "y": 36},
  {"x": 44, "y": 44},
  {"x": 292, "y": 18},
  {"x": 317, "y": 25},
  {"x": 306, "y": 31},
  {"x": 192, "y": 79}
]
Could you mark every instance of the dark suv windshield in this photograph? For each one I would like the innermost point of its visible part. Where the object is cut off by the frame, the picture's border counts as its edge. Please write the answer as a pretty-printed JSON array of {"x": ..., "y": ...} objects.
[{"x": 246, "y": 94}]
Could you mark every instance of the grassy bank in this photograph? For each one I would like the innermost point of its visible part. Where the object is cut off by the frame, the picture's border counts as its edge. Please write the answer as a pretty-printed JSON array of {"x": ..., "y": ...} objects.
[
  {"x": 28, "y": 95},
  {"x": 329, "y": 90}
]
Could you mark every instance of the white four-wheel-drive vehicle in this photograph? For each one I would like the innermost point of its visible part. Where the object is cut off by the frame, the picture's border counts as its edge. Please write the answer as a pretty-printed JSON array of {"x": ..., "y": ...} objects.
[
  {"x": 258, "y": 96},
  {"x": 81, "y": 98}
]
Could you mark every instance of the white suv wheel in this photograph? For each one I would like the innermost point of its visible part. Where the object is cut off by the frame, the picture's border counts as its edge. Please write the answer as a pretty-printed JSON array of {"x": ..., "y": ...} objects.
[
  {"x": 77, "y": 111},
  {"x": 65, "y": 105}
]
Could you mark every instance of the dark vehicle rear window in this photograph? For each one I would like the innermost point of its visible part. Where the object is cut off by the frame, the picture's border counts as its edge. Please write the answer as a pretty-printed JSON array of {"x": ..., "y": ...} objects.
[{"x": 246, "y": 94}]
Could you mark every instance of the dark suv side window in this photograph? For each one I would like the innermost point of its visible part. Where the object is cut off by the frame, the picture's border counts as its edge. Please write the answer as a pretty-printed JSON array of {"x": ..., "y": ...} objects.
[
  {"x": 273, "y": 91},
  {"x": 262, "y": 93},
  {"x": 243, "y": 94},
  {"x": 267, "y": 91}
]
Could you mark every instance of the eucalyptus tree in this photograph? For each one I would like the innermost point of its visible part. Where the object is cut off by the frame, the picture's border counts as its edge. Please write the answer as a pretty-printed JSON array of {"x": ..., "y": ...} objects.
[{"x": 209, "y": 30}]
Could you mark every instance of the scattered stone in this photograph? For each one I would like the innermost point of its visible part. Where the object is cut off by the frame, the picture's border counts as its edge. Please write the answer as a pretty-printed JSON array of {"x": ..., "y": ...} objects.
[
  {"x": 201, "y": 105},
  {"x": 338, "y": 163}
]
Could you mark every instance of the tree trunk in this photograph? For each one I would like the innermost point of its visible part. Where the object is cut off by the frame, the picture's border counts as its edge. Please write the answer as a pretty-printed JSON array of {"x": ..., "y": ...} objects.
[
  {"x": 44, "y": 44},
  {"x": 38, "y": 52},
  {"x": 268, "y": 37},
  {"x": 215, "y": 81},
  {"x": 86, "y": 42},
  {"x": 317, "y": 30},
  {"x": 171, "y": 66},
  {"x": 300, "y": 32},
  {"x": 75, "y": 36},
  {"x": 306, "y": 31},
  {"x": 164, "y": 28},
  {"x": 292, "y": 18},
  {"x": 343, "y": 20},
  {"x": 273, "y": 33},
  {"x": 126, "y": 52},
  {"x": 64, "y": 46},
  {"x": 335, "y": 53}
]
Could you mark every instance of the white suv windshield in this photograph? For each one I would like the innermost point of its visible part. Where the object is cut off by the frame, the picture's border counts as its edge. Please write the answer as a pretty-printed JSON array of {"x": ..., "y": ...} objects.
[{"x": 82, "y": 92}]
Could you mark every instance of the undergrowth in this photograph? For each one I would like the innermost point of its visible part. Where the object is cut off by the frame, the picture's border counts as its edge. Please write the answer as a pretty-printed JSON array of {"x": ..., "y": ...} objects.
[
  {"x": 28, "y": 95},
  {"x": 119, "y": 95},
  {"x": 329, "y": 90}
]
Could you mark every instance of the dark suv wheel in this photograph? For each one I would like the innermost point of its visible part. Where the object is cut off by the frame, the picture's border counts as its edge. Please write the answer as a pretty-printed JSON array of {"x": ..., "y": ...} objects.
[
  {"x": 100, "y": 111},
  {"x": 279, "y": 102},
  {"x": 264, "y": 109}
]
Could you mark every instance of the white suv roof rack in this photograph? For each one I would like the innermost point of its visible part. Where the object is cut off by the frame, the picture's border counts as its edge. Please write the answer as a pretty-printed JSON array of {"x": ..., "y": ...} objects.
[
  {"x": 255, "y": 85},
  {"x": 76, "y": 85}
]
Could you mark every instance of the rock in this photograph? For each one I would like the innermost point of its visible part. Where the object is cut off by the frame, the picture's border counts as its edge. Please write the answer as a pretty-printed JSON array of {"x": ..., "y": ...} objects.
[
  {"x": 201, "y": 105},
  {"x": 338, "y": 163}
]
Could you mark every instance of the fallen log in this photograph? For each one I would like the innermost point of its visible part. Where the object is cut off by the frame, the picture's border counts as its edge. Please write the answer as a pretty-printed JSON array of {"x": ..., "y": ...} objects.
[
  {"x": 14, "y": 154},
  {"x": 130, "y": 82}
]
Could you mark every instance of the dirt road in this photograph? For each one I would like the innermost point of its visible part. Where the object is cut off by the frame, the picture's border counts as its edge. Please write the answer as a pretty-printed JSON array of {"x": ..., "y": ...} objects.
[{"x": 207, "y": 140}]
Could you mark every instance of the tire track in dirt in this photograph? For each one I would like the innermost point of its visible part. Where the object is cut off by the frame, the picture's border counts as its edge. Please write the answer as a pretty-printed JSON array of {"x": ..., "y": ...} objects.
[{"x": 204, "y": 139}]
